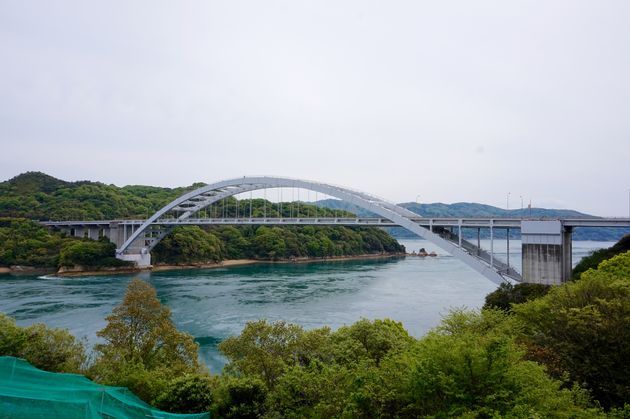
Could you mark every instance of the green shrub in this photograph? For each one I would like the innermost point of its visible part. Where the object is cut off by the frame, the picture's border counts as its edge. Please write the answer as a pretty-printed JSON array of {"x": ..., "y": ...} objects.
[
  {"x": 507, "y": 294},
  {"x": 54, "y": 350},
  {"x": 459, "y": 371},
  {"x": 190, "y": 393},
  {"x": 187, "y": 245},
  {"x": 91, "y": 254},
  {"x": 242, "y": 398},
  {"x": 598, "y": 256}
]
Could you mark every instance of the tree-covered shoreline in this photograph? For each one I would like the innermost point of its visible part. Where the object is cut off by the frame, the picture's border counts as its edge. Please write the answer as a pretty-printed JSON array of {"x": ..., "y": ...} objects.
[
  {"x": 27, "y": 243},
  {"x": 36, "y": 196}
]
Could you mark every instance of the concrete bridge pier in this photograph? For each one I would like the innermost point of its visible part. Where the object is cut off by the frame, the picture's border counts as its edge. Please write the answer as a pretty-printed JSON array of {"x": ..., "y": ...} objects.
[
  {"x": 546, "y": 252},
  {"x": 137, "y": 252},
  {"x": 93, "y": 232},
  {"x": 114, "y": 234}
]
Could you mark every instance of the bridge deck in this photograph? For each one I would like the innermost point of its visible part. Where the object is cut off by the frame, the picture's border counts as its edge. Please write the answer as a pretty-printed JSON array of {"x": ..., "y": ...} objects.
[{"x": 477, "y": 222}]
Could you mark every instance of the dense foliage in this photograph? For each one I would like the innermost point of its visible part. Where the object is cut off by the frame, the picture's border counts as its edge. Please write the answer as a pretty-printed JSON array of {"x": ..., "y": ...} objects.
[
  {"x": 598, "y": 256},
  {"x": 25, "y": 242},
  {"x": 194, "y": 244},
  {"x": 580, "y": 329},
  {"x": 49, "y": 349},
  {"x": 143, "y": 349},
  {"x": 471, "y": 366},
  {"x": 189, "y": 244},
  {"x": 37, "y": 196},
  {"x": 508, "y": 294},
  {"x": 583, "y": 328},
  {"x": 189, "y": 393},
  {"x": 543, "y": 358},
  {"x": 90, "y": 254}
]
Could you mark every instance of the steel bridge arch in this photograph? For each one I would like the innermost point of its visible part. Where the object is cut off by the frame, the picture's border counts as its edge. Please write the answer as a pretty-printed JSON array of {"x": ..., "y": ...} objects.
[{"x": 191, "y": 202}]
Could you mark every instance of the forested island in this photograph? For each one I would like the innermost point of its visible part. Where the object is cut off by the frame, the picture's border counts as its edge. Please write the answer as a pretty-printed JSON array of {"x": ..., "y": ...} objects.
[{"x": 36, "y": 196}]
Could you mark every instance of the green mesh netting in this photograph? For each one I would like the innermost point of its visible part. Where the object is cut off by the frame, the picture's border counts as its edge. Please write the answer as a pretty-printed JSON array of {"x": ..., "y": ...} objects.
[{"x": 28, "y": 392}]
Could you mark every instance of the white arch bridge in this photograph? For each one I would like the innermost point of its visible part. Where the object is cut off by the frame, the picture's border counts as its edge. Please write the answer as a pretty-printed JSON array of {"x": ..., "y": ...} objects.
[{"x": 546, "y": 243}]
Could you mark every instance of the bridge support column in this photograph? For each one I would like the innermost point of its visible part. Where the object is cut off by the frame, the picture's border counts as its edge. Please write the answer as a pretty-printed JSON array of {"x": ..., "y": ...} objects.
[
  {"x": 115, "y": 234},
  {"x": 93, "y": 233},
  {"x": 546, "y": 252},
  {"x": 106, "y": 232},
  {"x": 136, "y": 252}
]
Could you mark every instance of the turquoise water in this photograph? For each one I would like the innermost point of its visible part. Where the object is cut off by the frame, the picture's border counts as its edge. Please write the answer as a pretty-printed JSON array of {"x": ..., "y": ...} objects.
[{"x": 213, "y": 304}]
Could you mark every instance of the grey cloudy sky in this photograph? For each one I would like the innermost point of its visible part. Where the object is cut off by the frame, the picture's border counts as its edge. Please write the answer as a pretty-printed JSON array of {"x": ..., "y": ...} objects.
[{"x": 449, "y": 100}]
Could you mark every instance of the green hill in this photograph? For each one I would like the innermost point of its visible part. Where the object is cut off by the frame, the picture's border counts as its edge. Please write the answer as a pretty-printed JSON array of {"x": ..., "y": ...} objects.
[{"x": 37, "y": 196}]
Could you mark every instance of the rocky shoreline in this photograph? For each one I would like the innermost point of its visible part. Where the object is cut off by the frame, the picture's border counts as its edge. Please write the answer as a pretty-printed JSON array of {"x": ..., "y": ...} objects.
[
  {"x": 81, "y": 271},
  {"x": 239, "y": 262}
]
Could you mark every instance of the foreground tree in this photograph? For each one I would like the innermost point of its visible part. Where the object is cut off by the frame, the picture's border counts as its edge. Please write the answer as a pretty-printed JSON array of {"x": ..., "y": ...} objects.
[
  {"x": 263, "y": 350},
  {"x": 586, "y": 326},
  {"x": 190, "y": 393},
  {"x": 143, "y": 349},
  {"x": 54, "y": 350},
  {"x": 472, "y": 366},
  {"x": 140, "y": 330},
  {"x": 242, "y": 398},
  {"x": 594, "y": 259},
  {"x": 508, "y": 294}
]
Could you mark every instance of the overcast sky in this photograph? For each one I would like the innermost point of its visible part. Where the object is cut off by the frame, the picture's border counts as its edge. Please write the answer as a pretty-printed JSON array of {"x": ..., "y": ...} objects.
[{"x": 444, "y": 101}]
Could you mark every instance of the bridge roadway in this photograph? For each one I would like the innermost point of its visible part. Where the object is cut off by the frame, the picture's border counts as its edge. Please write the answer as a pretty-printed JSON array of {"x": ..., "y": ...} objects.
[{"x": 467, "y": 222}]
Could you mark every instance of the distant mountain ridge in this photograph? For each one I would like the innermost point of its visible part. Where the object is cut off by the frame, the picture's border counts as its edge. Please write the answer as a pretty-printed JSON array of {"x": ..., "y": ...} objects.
[
  {"x": 460, "y": 209},
  {"x": 471, "y": 209}
]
